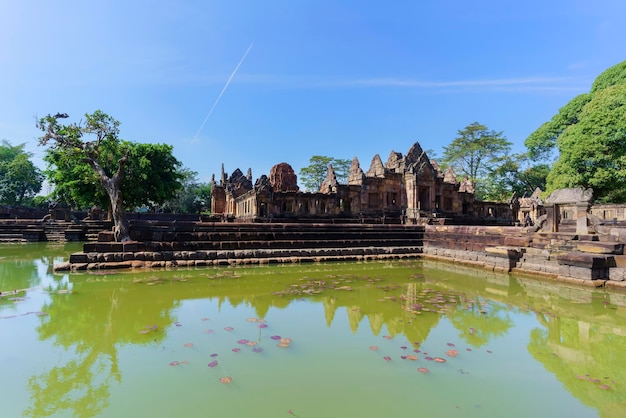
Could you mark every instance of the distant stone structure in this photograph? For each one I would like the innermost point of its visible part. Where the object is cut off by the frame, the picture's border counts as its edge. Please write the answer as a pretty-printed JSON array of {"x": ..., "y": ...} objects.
[{"x": 407, "y": 188}]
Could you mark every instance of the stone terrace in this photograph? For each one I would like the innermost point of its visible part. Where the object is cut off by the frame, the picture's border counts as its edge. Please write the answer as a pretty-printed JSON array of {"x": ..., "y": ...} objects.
[{"x": 168, "y": 244}]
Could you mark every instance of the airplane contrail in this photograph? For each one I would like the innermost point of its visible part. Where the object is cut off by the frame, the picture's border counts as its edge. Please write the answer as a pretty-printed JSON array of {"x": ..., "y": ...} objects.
[{"x": 222, "y": 93}]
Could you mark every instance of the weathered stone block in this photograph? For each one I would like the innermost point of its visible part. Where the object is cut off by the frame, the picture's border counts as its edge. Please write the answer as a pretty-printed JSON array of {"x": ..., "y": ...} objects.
[
  {"x": 617, "y": 273},
  {"x": 514, "y": 241},
  {"x": 597, "y": 247},
  {"x": 586, "y": 260},
  {"x": 78, "y": 258}
]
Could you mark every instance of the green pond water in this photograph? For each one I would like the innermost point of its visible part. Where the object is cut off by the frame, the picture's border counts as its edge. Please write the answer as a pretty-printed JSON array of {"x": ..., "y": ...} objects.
[{"x": 373, "y": 339}]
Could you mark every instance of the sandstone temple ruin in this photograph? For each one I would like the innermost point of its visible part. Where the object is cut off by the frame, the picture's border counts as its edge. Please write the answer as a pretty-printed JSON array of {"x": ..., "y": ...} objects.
[{"x": 406, "y": 189}]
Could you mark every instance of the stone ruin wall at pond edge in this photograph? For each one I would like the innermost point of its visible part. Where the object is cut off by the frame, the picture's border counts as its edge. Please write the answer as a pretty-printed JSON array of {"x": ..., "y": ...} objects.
[{"x": 595, "y": 260}]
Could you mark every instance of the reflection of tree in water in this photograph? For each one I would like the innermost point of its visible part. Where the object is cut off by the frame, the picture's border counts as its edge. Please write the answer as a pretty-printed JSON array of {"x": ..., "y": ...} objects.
[
  {"x": 91, "y": 324},
  {"x": 586, "y": 354},
  {"x": 479, "y": 322}
]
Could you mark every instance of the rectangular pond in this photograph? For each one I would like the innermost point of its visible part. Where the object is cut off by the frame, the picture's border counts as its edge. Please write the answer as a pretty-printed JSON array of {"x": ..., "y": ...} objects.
[{"x": 369, "y": 339}]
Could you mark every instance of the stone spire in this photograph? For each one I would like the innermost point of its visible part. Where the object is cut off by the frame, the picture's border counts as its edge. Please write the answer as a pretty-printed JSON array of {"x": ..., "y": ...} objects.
[{"x": 355, "y": 177}]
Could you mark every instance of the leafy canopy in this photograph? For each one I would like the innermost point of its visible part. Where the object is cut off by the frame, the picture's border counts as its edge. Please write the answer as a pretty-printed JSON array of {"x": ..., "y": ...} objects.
[
  {"x": 476, "y": 152},
  {"x": 589, "y": 133},
  {"x": 313, "y": 175},
  {"x": 20, "y": 179},
  {"x": 151, "y": 174}
]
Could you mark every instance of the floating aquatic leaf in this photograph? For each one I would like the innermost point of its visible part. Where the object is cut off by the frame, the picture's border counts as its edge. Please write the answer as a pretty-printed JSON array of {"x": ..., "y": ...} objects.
[
  {"x": 208, "y": 331},
  {"x": 204, "y": 319},
  {"x": 282, "y": 345},
  {"x": 174, "y": 363},
  {"x": 262, "y": 325},
  {"x": 452, "y": 353},
  {"x": 489, "y": 351},
  {"x": 243, "y": 341},
  {"x": 411, "y": 357},
  {"x": 285, "y": 340},
  {"x": 404, "y": 347},
  {"x": 214, "y": 355},
  {"x": 188, "y": 345},
  {"x": 213, "y": 363},
  {"x": 440, "y": 360},
  {"x": 417, "y": 351},
  {"x": 226, "y": 379},
  {"x": 450, "y": 345},
  {"x": 178, "y": 324},
  {"x": 236, "y": 350},
  {"x": 252, "y": 319},
  {"x": 428, "y": 358},
  {"x": 184, "y": 362},
  {"x": 251, "y": 343},
  {"x": 403, "y": 357},
  {"x": 468, "y": 349},
  {"x": 423, "y": 370},
  {"x": 373, "y": 347},
  {"x": 257, "y": 349},
  {"x": 387, "y": 337},
  {"x": 229, "y": 329},
  {"x": 275, "y": 337},
  {"x": 387, "y": 358}
]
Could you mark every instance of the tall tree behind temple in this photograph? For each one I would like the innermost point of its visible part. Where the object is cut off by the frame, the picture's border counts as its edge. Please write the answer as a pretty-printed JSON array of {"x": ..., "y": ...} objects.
[
  {"x": 476, "y": 152},
  {"x": 313, "y": 175},
  {"x": 20, "y": 180},
  {"x": 589, "y": 134}
]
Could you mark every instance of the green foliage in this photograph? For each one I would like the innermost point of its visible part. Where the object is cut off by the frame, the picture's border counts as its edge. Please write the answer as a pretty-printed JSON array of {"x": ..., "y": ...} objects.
[
  {"x": 314, "y": 174},
  {"x": 150, "y": 174},
  {"x": 589, "y": 134},
  {"x": 592, "y": 151},
  {"x": 514, "y": 176},
  {"x": 20, "y": 180},
  {"x": 542, "y": 143},
  {"x": 193, "y": 197},
  {"x": 477, "y": 152},
  {"x": 611, "y": 77}
]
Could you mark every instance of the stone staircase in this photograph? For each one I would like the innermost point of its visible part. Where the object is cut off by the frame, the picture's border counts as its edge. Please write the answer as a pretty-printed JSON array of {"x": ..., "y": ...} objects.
[{"x": 168, "y": 244}]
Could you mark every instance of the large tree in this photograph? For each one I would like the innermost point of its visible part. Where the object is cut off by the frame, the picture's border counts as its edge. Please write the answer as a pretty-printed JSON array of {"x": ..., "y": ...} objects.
[
  {"x": 193, "y": 197},
  {"x": 314, "y": 174},
  {"x": 589, "y": 134},
  {"x": 476, "y": 152},
  {"x": 20, "y": 179},
  {"x": 90, "y": 165}
]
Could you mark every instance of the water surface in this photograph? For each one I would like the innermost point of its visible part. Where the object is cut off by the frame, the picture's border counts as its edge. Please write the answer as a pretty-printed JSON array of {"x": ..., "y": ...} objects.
[{"x": 373, "y": 339}]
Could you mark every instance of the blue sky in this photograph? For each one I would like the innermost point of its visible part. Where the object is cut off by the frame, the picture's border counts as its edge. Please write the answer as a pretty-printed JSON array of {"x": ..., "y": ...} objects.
[{"x": 333, "y": 78}]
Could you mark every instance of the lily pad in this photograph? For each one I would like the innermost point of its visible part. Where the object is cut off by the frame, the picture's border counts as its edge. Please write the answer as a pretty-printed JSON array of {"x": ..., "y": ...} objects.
[
  {"x": 226, "y": 379},
  {"x": 213, "y": 363},
  {"x": 440, "y": 360},
  {"x": 175, "y": 363},
  {"x": 452, "y": 353},
  {"x": 423, "y": 370}
]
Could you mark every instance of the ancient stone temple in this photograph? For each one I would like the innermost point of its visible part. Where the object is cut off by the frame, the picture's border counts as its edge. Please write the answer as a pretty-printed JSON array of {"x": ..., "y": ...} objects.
[{"x": 407, "y": 188}]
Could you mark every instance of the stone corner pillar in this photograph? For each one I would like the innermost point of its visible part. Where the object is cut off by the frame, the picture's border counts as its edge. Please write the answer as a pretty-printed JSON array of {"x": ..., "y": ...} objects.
[
  {"x": 582, "y": 222},
  {"x": 552, "y": 222}
]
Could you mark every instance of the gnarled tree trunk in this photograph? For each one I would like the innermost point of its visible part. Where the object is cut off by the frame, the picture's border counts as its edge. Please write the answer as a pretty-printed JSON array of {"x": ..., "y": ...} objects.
[{"x": 121, "y": 226}]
